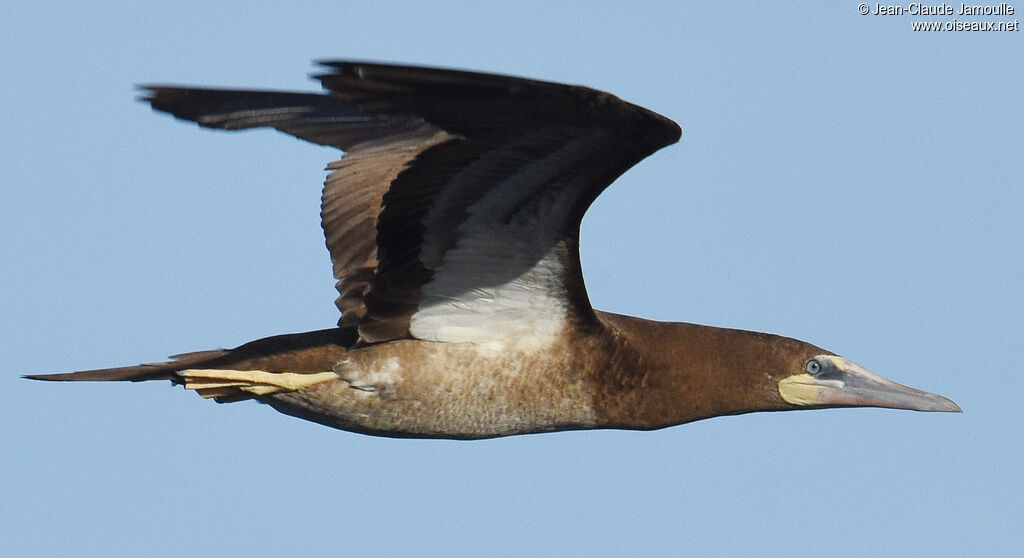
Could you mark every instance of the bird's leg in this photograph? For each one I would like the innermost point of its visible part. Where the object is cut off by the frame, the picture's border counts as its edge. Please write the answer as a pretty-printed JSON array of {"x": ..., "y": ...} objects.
[{"x": 218, "y": 382}]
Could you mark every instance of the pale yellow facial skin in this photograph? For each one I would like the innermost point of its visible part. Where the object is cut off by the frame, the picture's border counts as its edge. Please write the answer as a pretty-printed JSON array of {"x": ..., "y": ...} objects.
[{"x": 804, "y": 389}]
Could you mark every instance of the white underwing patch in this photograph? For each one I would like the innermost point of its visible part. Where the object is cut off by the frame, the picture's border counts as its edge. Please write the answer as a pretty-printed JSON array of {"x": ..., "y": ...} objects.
[{"x": 504, "y": 277}]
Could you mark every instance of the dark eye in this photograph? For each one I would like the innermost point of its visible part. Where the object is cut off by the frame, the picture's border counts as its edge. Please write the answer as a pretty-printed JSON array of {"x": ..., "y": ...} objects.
[{"x": 813, "y": 367}]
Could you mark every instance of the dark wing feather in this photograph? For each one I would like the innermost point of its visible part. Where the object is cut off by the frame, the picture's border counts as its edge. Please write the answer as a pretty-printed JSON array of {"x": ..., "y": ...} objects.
[
  {"x": 377, "y": 147},
  {"x": 460, "y": 193}
]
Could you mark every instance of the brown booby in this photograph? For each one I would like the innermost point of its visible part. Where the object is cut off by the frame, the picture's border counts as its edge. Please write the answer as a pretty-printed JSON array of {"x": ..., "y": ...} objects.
[{"x": 452, "y": 222}]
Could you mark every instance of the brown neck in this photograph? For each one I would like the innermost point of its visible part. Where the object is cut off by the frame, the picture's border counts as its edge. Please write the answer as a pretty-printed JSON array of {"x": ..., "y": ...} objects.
[{"x": 663, "y": 374}]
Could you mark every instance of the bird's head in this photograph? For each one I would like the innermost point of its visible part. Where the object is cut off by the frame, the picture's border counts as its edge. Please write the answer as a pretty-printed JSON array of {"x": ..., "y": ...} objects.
[{"x": 826, "y": 380}]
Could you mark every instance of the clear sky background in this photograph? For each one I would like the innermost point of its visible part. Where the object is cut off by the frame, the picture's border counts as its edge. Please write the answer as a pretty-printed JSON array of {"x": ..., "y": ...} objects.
[{"x": 841, "y": 179}]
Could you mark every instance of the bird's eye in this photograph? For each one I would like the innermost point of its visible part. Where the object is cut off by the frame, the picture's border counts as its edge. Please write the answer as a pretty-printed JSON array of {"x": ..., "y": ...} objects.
[{"x": 813, "y": 367}]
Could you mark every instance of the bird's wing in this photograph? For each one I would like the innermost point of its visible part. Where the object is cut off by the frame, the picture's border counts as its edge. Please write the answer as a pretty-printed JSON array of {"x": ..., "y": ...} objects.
[{"x": 454, "y": 214}]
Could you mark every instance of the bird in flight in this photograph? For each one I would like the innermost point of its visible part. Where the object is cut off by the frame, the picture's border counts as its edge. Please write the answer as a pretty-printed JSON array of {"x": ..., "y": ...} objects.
[{"x": 452, "y": 222}]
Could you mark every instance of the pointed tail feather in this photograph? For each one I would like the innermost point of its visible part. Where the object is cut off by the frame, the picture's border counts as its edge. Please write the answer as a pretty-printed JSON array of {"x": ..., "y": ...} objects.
[
  {"x": 139, "y": 373},
  {"x": 261, "y": 367}
]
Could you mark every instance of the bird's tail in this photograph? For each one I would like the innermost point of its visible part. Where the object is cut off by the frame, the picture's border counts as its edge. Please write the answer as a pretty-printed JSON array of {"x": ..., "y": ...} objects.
[{"x": 280, "y": 363}]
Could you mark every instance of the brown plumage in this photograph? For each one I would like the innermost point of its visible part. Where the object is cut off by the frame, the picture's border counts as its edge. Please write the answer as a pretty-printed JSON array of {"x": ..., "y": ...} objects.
[{"x": 452, "y": 222}]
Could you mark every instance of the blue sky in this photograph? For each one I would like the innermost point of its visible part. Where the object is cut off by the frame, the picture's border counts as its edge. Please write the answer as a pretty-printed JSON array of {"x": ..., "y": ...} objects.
[{"x": 841, "y": 179}]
